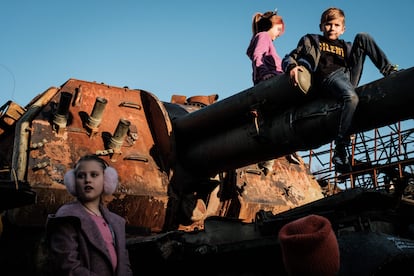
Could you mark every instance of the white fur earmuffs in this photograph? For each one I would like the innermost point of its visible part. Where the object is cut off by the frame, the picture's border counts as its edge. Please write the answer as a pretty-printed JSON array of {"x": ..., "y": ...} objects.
[{"x": 110, "y": 181}]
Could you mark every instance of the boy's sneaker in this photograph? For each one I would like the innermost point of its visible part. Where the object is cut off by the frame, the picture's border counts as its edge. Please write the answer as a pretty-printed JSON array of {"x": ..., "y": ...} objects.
[
  {"x": 341, "y": 160},
  {"x": 389, "y": 69}
]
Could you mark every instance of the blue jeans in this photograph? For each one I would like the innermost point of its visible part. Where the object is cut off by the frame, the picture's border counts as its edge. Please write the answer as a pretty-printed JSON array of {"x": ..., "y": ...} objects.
[
  {"x": 342, "y": 82},
  {"x": 338, "y": 84},
  {"x": 364, "y": 45}
]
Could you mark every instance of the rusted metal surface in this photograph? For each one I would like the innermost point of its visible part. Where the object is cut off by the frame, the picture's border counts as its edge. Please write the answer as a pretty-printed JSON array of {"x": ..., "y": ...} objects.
[
  {"x": 133, "y": 131},
  {"x": 54, "y": 147},
  {"x": 11, "y": 112},
  {"x": 287, "y": 186},
  {"x": 181, "y": 163}
]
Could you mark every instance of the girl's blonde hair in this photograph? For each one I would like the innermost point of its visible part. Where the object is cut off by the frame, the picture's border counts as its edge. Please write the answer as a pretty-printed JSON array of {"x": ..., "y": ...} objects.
[
  {"x": 262, "y": 22},
  {"x": 332, "y": 13}
]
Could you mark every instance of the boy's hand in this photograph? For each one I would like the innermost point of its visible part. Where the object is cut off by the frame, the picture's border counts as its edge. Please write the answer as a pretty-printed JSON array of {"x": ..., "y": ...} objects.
[{"x": 294, "y": 74}]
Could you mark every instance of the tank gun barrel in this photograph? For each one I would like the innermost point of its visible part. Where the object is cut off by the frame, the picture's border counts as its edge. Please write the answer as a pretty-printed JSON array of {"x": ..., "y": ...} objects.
[
  {"x": 271, "y": 95},
  {"x": 228, "y": 138}
]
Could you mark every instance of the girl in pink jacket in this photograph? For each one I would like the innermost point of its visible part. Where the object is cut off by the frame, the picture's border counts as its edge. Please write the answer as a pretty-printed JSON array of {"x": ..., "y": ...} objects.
[
  {"x": 84, "y": 237},
  {"x": 266, "y": 63}
]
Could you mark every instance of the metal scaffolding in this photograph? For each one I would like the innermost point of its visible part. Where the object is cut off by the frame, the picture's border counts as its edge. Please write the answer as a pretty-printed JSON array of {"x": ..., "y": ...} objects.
[{"x": 379, "y": 158}]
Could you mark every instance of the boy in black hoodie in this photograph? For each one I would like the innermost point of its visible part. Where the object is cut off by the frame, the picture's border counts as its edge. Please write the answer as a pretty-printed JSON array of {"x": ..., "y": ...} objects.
[{"x": 336, "y": 67}]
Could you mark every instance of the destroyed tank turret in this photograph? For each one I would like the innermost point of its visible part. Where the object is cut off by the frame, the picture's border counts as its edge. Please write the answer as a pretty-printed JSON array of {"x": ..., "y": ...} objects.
[{"x": 182, "y": 165}]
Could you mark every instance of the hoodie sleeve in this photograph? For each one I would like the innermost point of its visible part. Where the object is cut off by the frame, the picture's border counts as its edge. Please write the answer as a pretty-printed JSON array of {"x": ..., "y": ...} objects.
[{"x": 306, "y": 53}]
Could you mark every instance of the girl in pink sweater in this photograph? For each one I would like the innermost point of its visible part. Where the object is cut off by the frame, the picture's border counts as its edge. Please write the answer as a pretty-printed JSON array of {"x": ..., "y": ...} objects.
[{"x": 266, "y": 63}]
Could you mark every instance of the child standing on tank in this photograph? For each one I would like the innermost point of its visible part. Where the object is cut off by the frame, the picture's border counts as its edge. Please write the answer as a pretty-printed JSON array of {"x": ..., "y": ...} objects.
[{"x": 266, "y": 63}]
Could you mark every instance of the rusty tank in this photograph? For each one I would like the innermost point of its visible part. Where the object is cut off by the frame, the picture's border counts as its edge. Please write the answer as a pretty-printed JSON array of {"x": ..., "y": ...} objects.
[{"x": 192, "y": 184}]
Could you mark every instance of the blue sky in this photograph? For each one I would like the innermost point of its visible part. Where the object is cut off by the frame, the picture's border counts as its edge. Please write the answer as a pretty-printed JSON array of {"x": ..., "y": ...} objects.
[{"x": 169, "y": 47}]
